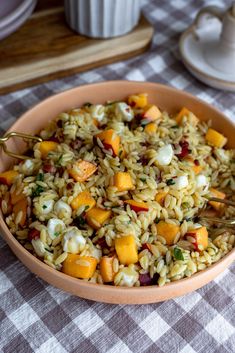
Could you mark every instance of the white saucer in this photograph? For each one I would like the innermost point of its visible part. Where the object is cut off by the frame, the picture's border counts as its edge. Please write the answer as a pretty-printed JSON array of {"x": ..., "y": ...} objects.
[{"x": 193, "y": 47}]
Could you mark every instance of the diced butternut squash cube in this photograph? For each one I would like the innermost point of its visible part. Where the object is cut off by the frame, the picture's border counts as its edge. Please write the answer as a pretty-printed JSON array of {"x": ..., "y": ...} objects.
[
  {"x": 201, "y": 238},
  {"x": 83, "y": 199},
  {"x": 215, "y": 139},
  {"x": 47, "y": 146},
  {"x": 184, "y": 112},
  {"x": 167, "y": 231},
  {"x": 196, "y": 167},
  {"x": 79, "y": 266},
  {"x": 137, "y": 206},
  {"x": 126, "y": 249},
  {"x": 152, "y": 113},
  {"x": 96, "y": 217},
  {"x": 123, "y": 181},
  {"x": 106, "y": 269},
  {"x": 8, "y": 177},
  {"x": 138, "y": 100},
  {"x": 20, "y": 212},
  {"x": 160, "y": 197},
  {"x": 16, "y": 196},
  {"x": 110, "y": 141},
  {"x": 82, "y": 170},
  {"x": 220, "y": 195},
  {"x": 150, "y": 128}
]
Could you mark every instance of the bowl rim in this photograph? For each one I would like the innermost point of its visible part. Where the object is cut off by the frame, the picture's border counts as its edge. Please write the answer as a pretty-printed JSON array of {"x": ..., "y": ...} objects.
[{"x": 105, "y": 288}]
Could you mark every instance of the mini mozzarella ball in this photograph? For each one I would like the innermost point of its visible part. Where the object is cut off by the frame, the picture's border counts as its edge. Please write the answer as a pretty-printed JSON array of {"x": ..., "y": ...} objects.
[
  {"x": 165, "y": 155},
  {"x": 62, "y": 209},
  {"x": 124, "y": 111},
  {"x": 27, "y": 167},
  {"x": 181, "y": 182},
  {"x": 197, "y": 225},
  {"x": 38, "y": 247},
  {"x": 55, "y": 227},
  {"x": 201, "y": 181},
  {"x": 73, "y": 240},
  {"x": 45, "y": 206},
  {"x": 98, "y": 112},
  {"x": 126, "y": 277}
]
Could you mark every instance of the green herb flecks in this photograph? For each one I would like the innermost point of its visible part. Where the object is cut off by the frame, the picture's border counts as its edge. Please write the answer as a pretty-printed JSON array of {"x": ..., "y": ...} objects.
[
  {"x": 178, "y": 255},
  {"x": 44, "y": 207},
  {"x": 86, "y": 207},
  {"x": 175, "y": 127},
  {"x": 80, "y": 221},
  {"x": 157, "y": 220},
  {"x": 56, "y": 234},
  {"x": 185, "y": 205},
  {"x": 40, "y": 177},
  {"x": 37, "y": 191},
  {"x": 143, "y": 180},
  {"x": 170, "y": 182}
]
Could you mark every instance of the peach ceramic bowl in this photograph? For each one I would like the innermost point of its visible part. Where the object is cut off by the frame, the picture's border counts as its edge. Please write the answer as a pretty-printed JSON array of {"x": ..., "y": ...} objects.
[{"x": 166, "y": 98}]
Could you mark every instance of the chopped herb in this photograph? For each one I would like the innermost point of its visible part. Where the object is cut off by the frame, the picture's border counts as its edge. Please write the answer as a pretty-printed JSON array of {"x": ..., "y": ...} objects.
[
  {"x": 175, "y": 127},
  {"x": 40, "y": 177},
  {"x": 56, "y": 234},
  {"x": 178, "y": 254},
  {"x": 143, "y": 180},
  {"x": 44, "y": 207},
  {"x": 59, "y": 160},
  {"x": 87, "y": 104},
  {"x": 188, "y": 219},
  {"x": 37, "y": 191},
  {"x": 86, "y": 207},
  {"x": 120, "y": 153},
  {"x": 170, "y": 182},
  {"x": 49, "y": 250},
  {"x": 185, "y": 205},
  {"x": 80, "y": 221},
  {"x": 157, "y": 220}
]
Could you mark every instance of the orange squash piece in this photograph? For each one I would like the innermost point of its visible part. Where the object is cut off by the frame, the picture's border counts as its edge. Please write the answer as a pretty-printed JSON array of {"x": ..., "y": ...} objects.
[
  {"x": 95, "y": 122},
  {"x": 197, "y": 168},
  {"x": 106, "y": 269},
  {"x": 110, "y": 140},
  {"x": 83, "y": 199},
  {"x": 167, "y": 231},
  {"x": 83, "y": 171},
  {"x": 201, "y": 238},
  {"x": 21, "y": 206},
  {"x": 215, "y": 139},
  {"x": 138, "y": 100},
  {"x": 160, "y": 197},
  {"x": 79, "y": 266},
  {"x": 137, "y": 206},
  {"x": 47, "y": 146},
  {"x": 96, "y": 217},
  {"x": 126, "y": 250},
  {"x": 184, "y": 112},
  {"x": 152, "y": 113},
  {"x": 8, "y": 177},
  {"x": 219, "y": 194},
  {"x": 150, "y": 128},
  {"x": 123, "y": 181},
  {"x": 16, "y": 196}
]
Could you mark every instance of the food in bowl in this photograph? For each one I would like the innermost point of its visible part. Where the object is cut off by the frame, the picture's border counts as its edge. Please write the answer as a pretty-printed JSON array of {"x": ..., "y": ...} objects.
[{"x": 112, "y": 193}]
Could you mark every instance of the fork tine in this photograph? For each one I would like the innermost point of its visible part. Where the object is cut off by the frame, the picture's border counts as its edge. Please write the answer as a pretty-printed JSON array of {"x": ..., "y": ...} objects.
[
  {"x": 227, "y": 202},
  {"x": 7, "y": 136}
]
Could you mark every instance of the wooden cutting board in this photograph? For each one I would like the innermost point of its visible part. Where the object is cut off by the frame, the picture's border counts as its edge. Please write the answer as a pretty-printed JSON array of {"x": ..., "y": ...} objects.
[{"x": 44, "y": 48}]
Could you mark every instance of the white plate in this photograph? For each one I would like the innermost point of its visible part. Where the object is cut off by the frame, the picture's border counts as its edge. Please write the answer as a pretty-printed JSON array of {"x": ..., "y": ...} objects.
[{"x": 193, "y": 50}]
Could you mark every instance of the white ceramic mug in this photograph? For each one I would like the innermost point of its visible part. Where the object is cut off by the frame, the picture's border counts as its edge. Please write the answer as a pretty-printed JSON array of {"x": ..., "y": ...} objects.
[{"x": 102, "y": 18}]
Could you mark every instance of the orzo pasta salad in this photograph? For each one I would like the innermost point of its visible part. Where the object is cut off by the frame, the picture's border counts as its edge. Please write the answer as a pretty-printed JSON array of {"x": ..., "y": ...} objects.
[{"x": 113, "y": 192}]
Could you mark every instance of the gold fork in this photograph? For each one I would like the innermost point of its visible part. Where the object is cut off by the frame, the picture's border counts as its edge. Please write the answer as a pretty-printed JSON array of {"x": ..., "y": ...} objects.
[
  {"x": 228, "y": 222},
  {"x": 6, "y": 137}
]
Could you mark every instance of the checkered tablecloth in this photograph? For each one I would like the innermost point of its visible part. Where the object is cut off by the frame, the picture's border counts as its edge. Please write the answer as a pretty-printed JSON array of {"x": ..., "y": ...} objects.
[{"x": 36, "y": 317}]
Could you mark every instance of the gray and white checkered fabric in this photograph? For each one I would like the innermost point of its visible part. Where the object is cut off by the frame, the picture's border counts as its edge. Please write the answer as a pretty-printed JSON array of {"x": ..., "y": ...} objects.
[{"x": 36, "y": 317}]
